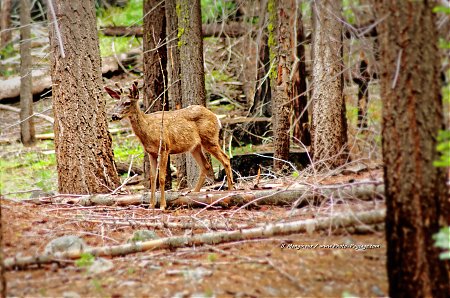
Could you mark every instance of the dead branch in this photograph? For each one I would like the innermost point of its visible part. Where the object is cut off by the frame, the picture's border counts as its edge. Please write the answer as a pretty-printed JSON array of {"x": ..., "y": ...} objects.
[
  {"x": 231, "y": 29},
  {"x": 337, "y": 221},
  {"x": 299, "y": 195},
  {"x": 17, "y": 110}
]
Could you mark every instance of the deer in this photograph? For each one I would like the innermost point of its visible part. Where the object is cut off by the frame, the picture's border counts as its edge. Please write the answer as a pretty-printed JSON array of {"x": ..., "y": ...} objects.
[{"x": 193, "y": 129}]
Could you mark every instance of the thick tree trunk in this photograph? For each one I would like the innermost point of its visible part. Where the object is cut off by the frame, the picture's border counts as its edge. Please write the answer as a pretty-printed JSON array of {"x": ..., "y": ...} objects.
[
  {"x": 416, "y": 192},
  {"x": 27, "y": 132},
  {"x": 174, "y": 81},
  {"x": 190, "y": 44},
  {"x": 84, "y": 156},
  {"x": 281, "y": 19},
  {"x": 299, "y": 94},
  {"x": 2, "y": 265},
  {"x": 329, "y": 124},
  {"x": 155, "y": 74}
]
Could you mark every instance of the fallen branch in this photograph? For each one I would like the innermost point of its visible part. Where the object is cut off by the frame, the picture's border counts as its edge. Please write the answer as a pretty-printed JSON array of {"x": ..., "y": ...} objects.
[
  {"x": 231, "y": 29},
  {"x": 337, "y": 221},
  {"x": 17, "y": 110},
  {"x": 300, "y": 196}
]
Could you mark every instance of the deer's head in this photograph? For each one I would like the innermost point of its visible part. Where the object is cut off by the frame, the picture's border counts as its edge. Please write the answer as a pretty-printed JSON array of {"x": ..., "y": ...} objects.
[{"x": 125, "y": 101}]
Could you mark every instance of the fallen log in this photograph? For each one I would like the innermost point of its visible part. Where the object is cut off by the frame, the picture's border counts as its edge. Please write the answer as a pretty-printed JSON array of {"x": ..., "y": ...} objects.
[
  {"x": 231, "y": 29},
  {"x": 298, "y": 196},
  {"x": 342, "y": 220},
  {"x": 42, "y": 82}
]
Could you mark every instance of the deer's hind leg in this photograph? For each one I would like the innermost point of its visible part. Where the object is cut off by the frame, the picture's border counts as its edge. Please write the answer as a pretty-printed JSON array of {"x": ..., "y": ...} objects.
[
  {"x": 152, "y": 159},
  {"x": 203, "y": 164},
  {"x": 224, "y": 160},
  {"x": 162, "y": 177}
]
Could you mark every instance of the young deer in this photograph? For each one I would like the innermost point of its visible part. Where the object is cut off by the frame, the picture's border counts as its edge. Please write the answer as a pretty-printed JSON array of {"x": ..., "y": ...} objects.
[{"x": 189, "y": 129}]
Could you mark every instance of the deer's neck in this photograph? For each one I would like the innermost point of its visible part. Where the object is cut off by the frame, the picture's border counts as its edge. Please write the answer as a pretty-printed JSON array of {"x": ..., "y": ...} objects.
[{"x": 139, "y": 124}]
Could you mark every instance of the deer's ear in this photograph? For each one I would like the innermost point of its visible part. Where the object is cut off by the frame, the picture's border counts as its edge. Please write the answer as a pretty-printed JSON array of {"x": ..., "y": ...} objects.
[{"x": 112, "y": 93}]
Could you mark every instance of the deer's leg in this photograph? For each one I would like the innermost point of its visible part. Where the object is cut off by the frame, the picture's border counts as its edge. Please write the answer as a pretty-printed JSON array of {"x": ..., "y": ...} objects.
[
  {"x": 203, "y": 165},
  {"x": 152, "y": 179},
  {"x": 224, "y": 160},
  {"x": 162, "y": 178}
]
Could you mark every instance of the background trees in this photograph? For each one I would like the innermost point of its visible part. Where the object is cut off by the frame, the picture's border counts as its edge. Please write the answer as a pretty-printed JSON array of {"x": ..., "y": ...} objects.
[
  {"x": 416, "y": 191},
  {"x": 27, "y": 132},
  {"x": 82, "y": 142},
  {"x": 329, "y": 123}
]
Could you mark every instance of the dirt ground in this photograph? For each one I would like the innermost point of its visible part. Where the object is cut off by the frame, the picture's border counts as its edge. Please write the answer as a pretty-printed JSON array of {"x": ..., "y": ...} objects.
[{"x": 252, "y": 268}]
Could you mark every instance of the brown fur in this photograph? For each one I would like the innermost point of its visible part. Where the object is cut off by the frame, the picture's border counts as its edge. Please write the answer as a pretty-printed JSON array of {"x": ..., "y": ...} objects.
[{"x": 189, "y": 129}]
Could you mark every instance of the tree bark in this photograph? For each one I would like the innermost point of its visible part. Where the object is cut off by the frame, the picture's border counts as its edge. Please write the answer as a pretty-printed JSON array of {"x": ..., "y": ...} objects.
[
  {"x": 155, "y": 73},
  {"x": 27, "y": 132},
  {"x": 299, "y": 92},
  {"x": 84, "y": 156},
  {"x": 416, "y": 192},
  {"x": 174, "y": 81},
  {"x": 281, "y": 40},
  {"x": 5, "y": 22},
  {"x": 363, "y": 92},
  {"x": 190, "y": 44},
  {"x": 2, "y": 265},
  {"x": 329, "y": 124}
]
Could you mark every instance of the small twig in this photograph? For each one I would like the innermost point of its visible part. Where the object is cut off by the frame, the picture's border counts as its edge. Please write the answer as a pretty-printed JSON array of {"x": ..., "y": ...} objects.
[
  {"x": 58, "y": 33},
  {"x": 397, "y": 68}
]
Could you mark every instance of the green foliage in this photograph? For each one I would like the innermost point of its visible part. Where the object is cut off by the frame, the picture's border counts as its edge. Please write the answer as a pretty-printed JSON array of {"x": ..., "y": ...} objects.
[
  {"x": 85, "y": 260},
  {"x": 443, "y": 148},
  {"x": 217, "y": 10},
  {"x": 5, "y": 53},
  {"x": 347, "y": 11},
  {"x": 130, "y": 15},
  {"x": 441, "y": 9},
  {"x": 444, "y": 44},
  {"x": 212, "y": 257},
  {"x": 442, "y": 240},
  {"x": 347, "y": 294},
  {"x": 124, "y": 149},
  {"x": 109, "y": 46},
  {"x": 18, "y": 170}
]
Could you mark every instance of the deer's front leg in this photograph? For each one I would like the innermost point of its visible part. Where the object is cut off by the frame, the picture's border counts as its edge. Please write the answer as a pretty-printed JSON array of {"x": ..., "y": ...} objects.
[
  {"x": 152, "y": 159},
  {"x": 162, "y": 178}
]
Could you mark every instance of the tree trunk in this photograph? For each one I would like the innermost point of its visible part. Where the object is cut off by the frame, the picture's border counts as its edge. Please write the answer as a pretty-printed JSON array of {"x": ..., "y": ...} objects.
[
  {"x": 2, "y": 265},
  {"x": 363, "y": 92},
  {"x": 27, "y": 132},
  {"x": 329, "y": 124},
  {"x": 281, "y": 41},
  {"x": 5, "y": 22},
  {"x": 155, "y": 74},
  {"x": 299, "y": 92},
  {"x": 174, "y": 81},
  {"x": 416, "y": 192},
  {"x": 190, "y": 44},
  {"x": 84, "y": 156}
]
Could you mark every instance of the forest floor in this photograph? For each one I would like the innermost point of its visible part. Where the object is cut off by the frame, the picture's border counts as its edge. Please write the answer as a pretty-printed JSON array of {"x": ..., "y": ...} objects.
[{"x": 252, "y": 268}]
